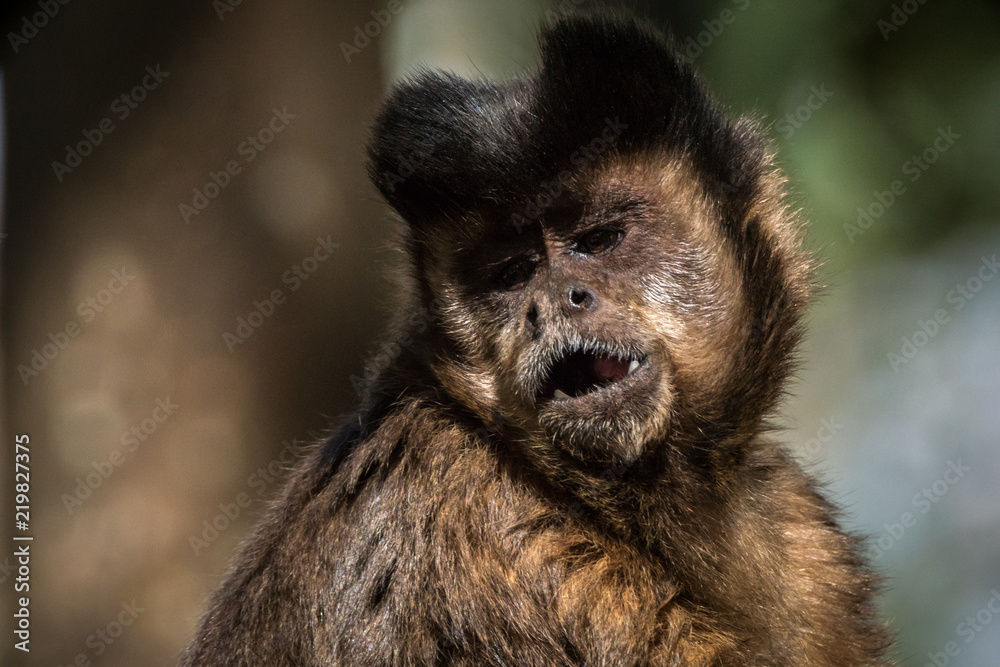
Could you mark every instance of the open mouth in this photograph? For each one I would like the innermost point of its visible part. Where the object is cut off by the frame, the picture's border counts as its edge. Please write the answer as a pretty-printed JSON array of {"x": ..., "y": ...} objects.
[{"x": 581, "y": 372}]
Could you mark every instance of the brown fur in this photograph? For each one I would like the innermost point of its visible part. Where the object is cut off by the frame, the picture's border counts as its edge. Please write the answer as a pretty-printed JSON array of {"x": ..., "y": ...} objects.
[{"x": 468, "y": 516}]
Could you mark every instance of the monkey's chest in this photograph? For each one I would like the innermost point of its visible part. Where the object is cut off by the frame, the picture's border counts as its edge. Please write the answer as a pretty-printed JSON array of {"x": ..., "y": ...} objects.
[{"x": 558, "y": 596}]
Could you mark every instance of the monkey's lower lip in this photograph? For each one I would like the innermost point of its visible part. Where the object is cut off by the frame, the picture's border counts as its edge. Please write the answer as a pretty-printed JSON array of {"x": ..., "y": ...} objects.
[{"x": 581, "y": 373}]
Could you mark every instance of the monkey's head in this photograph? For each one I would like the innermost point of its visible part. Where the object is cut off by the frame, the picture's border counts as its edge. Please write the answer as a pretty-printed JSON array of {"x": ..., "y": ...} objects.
[{"x": 609, "y": 256}]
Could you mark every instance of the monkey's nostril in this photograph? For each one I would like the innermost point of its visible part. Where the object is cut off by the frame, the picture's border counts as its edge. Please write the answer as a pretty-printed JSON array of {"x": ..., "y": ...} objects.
[{"x": 580, "y": 297}]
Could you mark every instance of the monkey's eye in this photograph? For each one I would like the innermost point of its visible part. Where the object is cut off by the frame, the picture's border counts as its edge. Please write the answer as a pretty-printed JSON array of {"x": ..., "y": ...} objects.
[
  {"x": 515, "y": 273},
  {"x": 598, "y": 240}
]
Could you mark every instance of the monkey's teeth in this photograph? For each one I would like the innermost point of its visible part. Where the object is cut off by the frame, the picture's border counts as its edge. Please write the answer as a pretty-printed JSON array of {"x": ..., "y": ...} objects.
[
  {"x": 560, "y": 394},
  {"x": 632, "y": 366}
]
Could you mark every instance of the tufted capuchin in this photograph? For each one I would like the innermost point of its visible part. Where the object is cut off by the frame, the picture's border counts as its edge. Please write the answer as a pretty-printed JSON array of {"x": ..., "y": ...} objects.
[{"x": 567, "y": 461}]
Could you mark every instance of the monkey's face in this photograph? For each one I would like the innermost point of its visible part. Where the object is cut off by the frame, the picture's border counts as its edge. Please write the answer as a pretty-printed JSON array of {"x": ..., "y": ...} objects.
[
  {"x": 648, "y": 293},
  {"x": 594, "y": 323}
]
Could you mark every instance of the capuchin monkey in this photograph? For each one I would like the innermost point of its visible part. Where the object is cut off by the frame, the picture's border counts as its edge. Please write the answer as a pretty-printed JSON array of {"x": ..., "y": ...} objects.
[{"x": 567, "y": 462}]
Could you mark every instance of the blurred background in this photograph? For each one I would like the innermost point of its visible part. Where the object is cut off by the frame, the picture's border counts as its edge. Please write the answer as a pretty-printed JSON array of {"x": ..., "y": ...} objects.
[{"x": 193, "y": 276}]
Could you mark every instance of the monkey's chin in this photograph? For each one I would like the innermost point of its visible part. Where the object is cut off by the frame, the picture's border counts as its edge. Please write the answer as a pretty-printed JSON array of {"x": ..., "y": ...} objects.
[{"x": 613, "y": 422}]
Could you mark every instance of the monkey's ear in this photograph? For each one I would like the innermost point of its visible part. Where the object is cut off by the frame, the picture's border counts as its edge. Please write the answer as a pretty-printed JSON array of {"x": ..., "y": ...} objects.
[{"x": 443, "y": 145}]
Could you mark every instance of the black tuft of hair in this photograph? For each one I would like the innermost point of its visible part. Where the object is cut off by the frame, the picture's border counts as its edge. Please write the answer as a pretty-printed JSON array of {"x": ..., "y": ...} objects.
[{"x": 443, "y": 145}]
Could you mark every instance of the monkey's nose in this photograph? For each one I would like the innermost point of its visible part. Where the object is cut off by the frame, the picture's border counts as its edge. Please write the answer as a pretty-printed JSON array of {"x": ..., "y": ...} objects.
[{"x": 580, "y": 298}]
